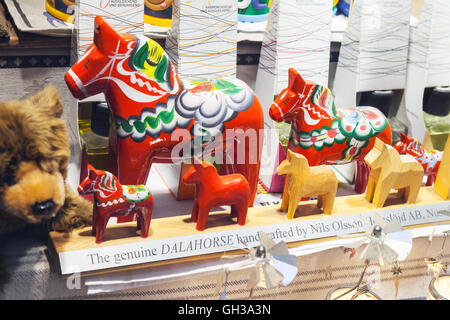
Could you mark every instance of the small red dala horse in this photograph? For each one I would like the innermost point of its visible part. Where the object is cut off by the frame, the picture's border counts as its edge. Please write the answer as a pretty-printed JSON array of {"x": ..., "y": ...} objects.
[
  {"x": 430, "y": 160},
  {"x": 213, "y": 190},
  {"x": 111, "y": 199},
  {"x": 323, "y": 133},
  {"x": 149, "y": 102}
]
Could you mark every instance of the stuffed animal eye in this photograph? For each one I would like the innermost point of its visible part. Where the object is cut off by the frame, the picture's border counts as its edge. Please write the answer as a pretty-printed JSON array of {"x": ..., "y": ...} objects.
[{"x": 9, "y": 178}]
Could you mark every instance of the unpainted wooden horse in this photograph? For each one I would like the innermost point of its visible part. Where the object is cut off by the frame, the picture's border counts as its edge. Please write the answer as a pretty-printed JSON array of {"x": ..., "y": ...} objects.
[
  {"x": 111, "y": 199},
  {"x": 303, "y": 181},
  {"x": 213, "y": 190},
  {"x": 389, "y": 169}
]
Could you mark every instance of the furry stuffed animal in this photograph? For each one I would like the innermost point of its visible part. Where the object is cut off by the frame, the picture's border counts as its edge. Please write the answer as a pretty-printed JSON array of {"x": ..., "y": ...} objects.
[{"x": 34, "y": 155}]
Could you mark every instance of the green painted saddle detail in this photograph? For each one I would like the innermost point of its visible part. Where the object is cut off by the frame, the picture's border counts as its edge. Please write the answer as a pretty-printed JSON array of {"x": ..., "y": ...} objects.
[{"x": 153, "y": 122}]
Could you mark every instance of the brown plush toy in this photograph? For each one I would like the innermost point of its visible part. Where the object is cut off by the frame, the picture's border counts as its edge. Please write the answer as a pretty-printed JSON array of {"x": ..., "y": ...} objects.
[{"x": 34, "y": 155}]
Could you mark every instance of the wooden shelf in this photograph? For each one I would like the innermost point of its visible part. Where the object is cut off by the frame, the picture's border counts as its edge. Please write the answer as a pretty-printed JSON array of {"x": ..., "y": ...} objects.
[{"x": 78, "y": 252}]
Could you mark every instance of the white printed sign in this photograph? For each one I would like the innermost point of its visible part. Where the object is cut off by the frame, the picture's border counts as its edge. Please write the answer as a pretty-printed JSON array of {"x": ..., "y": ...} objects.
[{"x": 213, "y": 242}]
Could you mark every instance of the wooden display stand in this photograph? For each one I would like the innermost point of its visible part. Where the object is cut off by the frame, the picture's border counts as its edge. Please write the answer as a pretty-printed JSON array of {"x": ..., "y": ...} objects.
[{"x": 175, "y": 239}]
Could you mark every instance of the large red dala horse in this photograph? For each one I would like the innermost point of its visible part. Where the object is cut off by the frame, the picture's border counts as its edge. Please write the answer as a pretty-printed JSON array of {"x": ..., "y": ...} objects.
[{"x": 149, "y": 102}]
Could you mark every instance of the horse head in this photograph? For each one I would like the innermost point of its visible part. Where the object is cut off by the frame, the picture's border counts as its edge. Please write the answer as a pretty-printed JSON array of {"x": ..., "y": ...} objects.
[
  {"x": 403, "y": 143},
  {"x": 409, "y": 145},
  {"x": 199, "y": 171},
  {"x": 87, "y": 185},
  {"x": 136, "y": 65},
  {"x": 286, "y": 106},
  {"x": 295, "y": 163},
  {"x": 379, "y": 155},
  {"x": 99, "y": 181}
]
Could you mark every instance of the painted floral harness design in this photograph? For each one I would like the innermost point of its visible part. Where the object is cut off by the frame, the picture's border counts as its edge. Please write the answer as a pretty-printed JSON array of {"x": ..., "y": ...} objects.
[
  {"x": 356, "y": 126},
  {"x": 130, "y": 193},
  {"x": 210, "y": 102}
]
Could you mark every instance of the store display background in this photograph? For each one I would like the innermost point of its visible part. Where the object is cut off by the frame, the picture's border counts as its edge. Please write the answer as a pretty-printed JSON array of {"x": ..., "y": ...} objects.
[{"x": 34, "y": 276}]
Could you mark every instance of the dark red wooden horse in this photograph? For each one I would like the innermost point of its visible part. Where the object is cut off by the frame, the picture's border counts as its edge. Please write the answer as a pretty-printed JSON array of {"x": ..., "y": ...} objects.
[
  {"x": 430, "y": 160},
  {"x": 111, "y": 199},
  {"x": 213, "y": 190}
]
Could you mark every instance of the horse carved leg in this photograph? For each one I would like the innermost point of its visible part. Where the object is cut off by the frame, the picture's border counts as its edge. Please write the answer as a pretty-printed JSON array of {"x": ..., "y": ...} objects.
[
  {"x": 371, "y": 183},
  {"x": 414, "y": 189},
  {"x": 203, "y": 213},
  {"x": 381, "y": 193},
  {"x": 144, "y": 221},
  {"x": 241, "y": 211},
  {"x": 284, "y": 201},
  {"x": 102, "y": 221},
  {"x": 328, "y": 202},
  {"x": 430, "y": 179},
  {"x": 94, "y": 220},
  {"x": 295, "y": 199},
  {"x": 362, "y": 176},
  {"x": 234, "y": 210},
  {"x": 194, "y": 214},
  {"x": 320, "y": 201}
]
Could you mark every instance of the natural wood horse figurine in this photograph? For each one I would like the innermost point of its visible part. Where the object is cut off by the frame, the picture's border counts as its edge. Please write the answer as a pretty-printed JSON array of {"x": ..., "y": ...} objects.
[
  {"x": 323, "y": 133},
  {"x": 111, "y": 199},
  {"x": 305, "y": 181},
  {"x": 156, "y": 114},
  {"x": 213, "y": 190},
  {"x": 389, "y": 169}
]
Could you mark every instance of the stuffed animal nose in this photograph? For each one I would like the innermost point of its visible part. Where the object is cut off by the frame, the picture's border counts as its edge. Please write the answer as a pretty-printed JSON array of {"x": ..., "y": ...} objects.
[{"x": 43, "y": 207}]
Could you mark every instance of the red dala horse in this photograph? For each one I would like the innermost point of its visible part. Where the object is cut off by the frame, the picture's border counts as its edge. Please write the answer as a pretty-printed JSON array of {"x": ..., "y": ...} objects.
[
  {"x": 323, "y": 133},
  {"x": 111, "y": 199}
]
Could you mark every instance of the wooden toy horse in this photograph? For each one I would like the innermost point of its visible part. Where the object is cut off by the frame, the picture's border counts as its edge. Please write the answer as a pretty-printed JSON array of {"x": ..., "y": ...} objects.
[
  {"x": 149, "y": 102},
  {"x": 304, "y": 181},
  {"x": 213, "y": 190},
  {"x": 320, "y": 131},
  {"x": 389, "y": 169},
  {"x": 111, "y": 199},
  {"x": 430, "y": 160}
]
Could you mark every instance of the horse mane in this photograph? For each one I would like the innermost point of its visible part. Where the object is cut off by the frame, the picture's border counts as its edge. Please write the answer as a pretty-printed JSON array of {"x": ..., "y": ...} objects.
[
  {"x": 323, "y": 98},
  {"x": 208, "y": 169},
  {"x": 298, "y": 160},
  {"x": 410, "y": 145},
  {"x": 386, "y": 151},
  {"x": 149, "y": 58}
]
